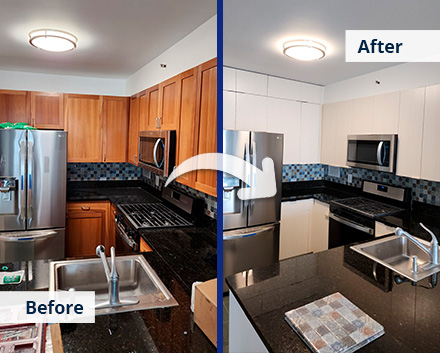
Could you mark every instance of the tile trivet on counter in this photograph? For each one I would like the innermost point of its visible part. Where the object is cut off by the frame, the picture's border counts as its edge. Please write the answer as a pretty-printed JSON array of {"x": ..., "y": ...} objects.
[{"x": 333, "y": 324}]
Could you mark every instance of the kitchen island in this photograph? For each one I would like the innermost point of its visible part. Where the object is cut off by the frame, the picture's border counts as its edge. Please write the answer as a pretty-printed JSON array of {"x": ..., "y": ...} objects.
[{"x": 260, "y": 297}]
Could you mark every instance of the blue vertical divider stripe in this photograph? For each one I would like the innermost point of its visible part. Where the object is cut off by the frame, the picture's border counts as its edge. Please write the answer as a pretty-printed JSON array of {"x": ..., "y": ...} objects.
[{"x": 219, "y": 176}]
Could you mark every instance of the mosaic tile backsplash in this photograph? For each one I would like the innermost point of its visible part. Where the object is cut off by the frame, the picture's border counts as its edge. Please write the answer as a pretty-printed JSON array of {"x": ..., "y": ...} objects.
[
  {"x": 421, "y": 190},
  {"x": 127, "y": 171}
]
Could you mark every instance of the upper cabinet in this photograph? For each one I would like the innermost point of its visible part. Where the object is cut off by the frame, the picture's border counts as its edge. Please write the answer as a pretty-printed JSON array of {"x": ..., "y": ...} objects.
[
  {"x": 169, "y": 104},
  {"x": 206, "y": 180},
  {"x": 133, "y": 132},
  {"x": 412, "y": 105},
  {"x": 14, "y": 106},
  {"x": 115, "y": 129},
  {"x": 386, "y": 113},
  {"x": 84, "y": 126},
  {"x": 47, "y": 110},
  {"x": 149, "y": 119}
]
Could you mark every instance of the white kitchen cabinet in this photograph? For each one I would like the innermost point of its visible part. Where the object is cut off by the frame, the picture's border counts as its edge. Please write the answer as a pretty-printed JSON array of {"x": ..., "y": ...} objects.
[
  {"x": 229, "y": 79},
  {"x": 361, "y": 116},
  {"x": 343, "y": 127},
  {"x": 251, "y": 112},
  {"x": 294, "y": 90},
  {"x": 284, "y": 116},
  {"x": 320, "y": 223},
  {"x": 431, "y": 141},
  {"x": 411, "y": 112},
  {"x": 382, "y": 229},
  {"x": 295, "y": 228},
  {"x": 250, "y": 82},
  {"x": 328, "y": 133},
  {"x": 386, "y": 113},
  {"x": 310, "y": 133},
  {"x": 229, "y": 99}
]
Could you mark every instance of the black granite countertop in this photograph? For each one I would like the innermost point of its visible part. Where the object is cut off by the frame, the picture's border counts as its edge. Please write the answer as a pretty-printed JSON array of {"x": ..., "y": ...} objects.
[
  {"x": 321, "y": 190},
  {"x": 408, "y": 313}
]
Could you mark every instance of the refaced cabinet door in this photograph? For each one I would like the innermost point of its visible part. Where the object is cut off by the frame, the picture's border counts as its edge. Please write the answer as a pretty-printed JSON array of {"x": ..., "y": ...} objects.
[
  {"x": 133, "y": 132},
  {"x": 169, "y": 104},
  {"x": 115, "y": 121},
  {"x": 14, "y": 106}
]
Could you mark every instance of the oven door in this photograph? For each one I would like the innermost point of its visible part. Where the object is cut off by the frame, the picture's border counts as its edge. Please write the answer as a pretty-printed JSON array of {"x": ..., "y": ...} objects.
[
  {"x": 343, "y": 231},
  {"x": 157, "y": 151},
  {"x": 125, "y": 241},
  {"x": 377, "y": 152}
]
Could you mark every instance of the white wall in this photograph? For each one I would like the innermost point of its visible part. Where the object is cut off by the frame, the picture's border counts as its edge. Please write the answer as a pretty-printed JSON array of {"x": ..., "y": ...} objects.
[
  {"x": 28, "y": 81},
  {"x": 395, "y": 78},
  {"x": 196, "y": 48}
]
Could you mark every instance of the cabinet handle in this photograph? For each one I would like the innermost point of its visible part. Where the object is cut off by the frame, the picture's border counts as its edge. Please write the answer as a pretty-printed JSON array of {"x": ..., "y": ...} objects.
[
  {"x": 105, "y": 157},
  {"x": 134, "y": 158},
  {"x": 156, "y": 124},
  {"x": 160, "y": 122},
  {"x": 85, "y": 208}
]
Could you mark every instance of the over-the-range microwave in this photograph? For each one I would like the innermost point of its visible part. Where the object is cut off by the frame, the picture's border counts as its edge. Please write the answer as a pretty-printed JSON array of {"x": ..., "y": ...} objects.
[
  {"x": 157, "y": 151},
  {"x": 376, "y": 152}
]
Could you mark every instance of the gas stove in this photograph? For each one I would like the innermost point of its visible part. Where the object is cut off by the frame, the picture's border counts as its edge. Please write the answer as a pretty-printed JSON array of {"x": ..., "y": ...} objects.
[
  {"x": 368, "y": 207},
  {"x": 152, "y": 215}
]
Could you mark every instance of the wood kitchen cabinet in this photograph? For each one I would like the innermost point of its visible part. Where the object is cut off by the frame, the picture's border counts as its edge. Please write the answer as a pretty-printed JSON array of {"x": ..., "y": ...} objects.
[
  {"x": 169, "y": 104},
  {"x": 115, "y": 129},
  {"x": 149, "y": 109},
  {"x": 14, "y": 106},
  {"x": 83, "y": 120},
  {"x": 133, "y": 131},
  {"x": 87, "y": 227},
  {"x": 206, "y": 180},
  {"x": 47, "y": 110}
]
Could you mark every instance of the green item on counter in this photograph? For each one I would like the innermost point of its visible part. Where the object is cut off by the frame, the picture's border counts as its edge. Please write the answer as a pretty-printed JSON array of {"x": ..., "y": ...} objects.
[
  {"x": 6, "y": 125},
  {"x": 16, "y": 126},
  {"x": 11, "y": 277}
]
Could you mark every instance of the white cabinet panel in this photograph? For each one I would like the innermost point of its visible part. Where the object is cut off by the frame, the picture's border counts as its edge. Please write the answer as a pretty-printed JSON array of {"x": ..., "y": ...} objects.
[
  {"x": 251, "y": 112},
  {"x": 249, "y": 82},
  {"x": 411, "y": 113},
  {"x": 294, "y": 90},
  {"x": 295, "y": 228},
  {"x": 310, "y": 133},
  {"x": 431, "y": 139},
  {"x": 382, "y": 229},
  {"x": 229, "y": 110},
  {"x": 361, "y": 116},
  {"x": 284, "y": 116},
  {"x": 328, "y": 133},
  {"x": 344, "y": 112},
  {"x": 386, "y": 113},
  {"x": 320, "y": 223},
  {"x": 229, "y": 79}
]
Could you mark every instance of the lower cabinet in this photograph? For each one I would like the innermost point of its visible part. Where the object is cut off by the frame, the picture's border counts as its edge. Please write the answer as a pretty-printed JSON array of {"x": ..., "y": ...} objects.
[
  {"x": 89, "y": 224},
  {"x": 304, "y": 227}
]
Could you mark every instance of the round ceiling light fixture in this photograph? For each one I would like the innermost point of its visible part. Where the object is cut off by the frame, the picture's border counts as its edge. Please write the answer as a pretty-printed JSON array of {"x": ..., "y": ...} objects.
[
  {"x": 304, "y": 49},
  {"x": 52, "y": 40}
]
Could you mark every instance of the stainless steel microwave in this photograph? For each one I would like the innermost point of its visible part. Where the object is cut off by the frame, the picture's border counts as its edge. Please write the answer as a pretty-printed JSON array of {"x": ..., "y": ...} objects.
[
  {"x": 157, "y": 151},
  {"x": 376, "y": 152}
]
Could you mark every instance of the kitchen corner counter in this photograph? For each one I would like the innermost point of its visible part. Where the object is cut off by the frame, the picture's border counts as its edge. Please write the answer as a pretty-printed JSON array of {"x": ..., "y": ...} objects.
[{"x": 408, "y": 313}]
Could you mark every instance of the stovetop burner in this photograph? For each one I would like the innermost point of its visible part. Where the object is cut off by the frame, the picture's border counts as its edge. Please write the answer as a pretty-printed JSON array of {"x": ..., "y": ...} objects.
[
  {"x": 152, "y": 215},
  {"x": 368, "y": 207}
]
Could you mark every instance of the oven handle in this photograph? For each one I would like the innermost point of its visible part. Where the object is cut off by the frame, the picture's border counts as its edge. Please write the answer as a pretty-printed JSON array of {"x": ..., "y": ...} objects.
[
  {"x": 120, "y": 230},
  {"x": 352, "y": 224},
  {"x": 379, "y": 153}
]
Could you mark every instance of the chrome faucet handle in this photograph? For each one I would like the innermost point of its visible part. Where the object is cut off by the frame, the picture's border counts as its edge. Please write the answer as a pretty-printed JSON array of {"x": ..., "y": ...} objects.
[
  {"x": 433, "y": 236},
  {"x": 113, "y": 271},
  {"x": 99, "y": 250},
  {"x": 434, "y": 245}
]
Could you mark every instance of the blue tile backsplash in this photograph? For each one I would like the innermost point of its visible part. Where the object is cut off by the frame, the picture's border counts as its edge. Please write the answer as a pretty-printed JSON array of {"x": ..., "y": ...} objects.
[
  {"x": 127, "y": 171},
  {"x": 421, "y": 190}
]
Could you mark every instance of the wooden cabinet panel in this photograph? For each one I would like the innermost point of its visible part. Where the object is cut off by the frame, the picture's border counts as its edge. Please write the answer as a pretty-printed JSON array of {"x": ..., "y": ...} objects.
[
  {"x": 149, "y": 111},
  {"x": 111, "y": 234},
  {"x": 115, "y": 123},
  {"x": 83, "y": 120},
  {"x": 386, "y": 113},
  {"x": 169, "y": 104},
  {"x": 319, "y": 226},
  {"x": 47, "y": 110},
  {"x": 186, "y": 144},
  {"x": 14, "y": 106},
  {"x": 144, "y": 247},
  {"x": 412, "y": 104},
  {"x": 361, "y": 116},
  {"x": 133, "y": 131},
  {"x": 206, "y": 180},
  {"x": 86, "y": 227}
]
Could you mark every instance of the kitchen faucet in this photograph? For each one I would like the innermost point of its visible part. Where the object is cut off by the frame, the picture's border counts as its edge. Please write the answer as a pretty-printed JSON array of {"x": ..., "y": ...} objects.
[
  {"x": 113, "y": 281},
  {"x": 432, "y": 251}
]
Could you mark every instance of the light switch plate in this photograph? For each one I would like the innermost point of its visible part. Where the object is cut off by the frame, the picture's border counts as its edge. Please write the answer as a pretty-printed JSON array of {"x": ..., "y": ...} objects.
[
  {"x": 157, "y": 180},
  {"x": 146, "y": 173},
  {"x": 350, "y": 178}
]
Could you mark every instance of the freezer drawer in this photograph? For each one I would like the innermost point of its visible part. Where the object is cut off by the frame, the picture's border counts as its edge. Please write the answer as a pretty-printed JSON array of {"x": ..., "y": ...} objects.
[
  {"x": 249, "y": 248},
  {"x": 35, "y": 245}
]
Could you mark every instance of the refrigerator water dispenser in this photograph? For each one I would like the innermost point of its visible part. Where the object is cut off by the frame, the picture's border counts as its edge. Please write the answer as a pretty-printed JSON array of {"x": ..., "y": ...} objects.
[{"x": 8, "y": 196}]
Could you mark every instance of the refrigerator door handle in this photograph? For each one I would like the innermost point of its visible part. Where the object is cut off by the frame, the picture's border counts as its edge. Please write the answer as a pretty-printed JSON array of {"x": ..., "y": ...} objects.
[
  {"x": 247, "y": 171},
  {"x": 254, "y": 175},
  {"x": 22, "y": 179},
  {"x": 251, "y": 233},
  {"x": 28, "y": 236},
  {"x": 30, "y": 170}
]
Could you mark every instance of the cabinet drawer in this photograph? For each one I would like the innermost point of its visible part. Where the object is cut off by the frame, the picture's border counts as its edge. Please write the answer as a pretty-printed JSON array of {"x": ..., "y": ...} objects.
[{"x": 87, "y": 206}]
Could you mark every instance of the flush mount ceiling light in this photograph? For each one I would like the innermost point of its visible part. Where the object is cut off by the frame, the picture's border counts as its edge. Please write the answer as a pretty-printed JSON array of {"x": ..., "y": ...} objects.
[
  {"x": 52, "y": 40},
  {"x": 304, "y": 49}
]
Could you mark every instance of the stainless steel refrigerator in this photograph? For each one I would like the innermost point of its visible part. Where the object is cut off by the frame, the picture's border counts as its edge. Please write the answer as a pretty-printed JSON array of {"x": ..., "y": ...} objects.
[
  {"x": 251, "y": 229},
  {"x": 33, "y": 167}
]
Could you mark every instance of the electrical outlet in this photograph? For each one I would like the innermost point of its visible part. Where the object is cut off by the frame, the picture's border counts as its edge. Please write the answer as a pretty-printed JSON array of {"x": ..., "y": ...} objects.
[
  {"x": 157, "y": 180},
  {"x": 350, "y": 178},
  {"x": 146, "y": 173}
]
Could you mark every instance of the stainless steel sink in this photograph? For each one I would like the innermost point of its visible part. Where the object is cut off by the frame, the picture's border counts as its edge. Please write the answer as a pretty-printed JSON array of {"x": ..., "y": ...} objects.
[
  {"x": 397, "y": 253},
  {"x": 136, "y": 278}
]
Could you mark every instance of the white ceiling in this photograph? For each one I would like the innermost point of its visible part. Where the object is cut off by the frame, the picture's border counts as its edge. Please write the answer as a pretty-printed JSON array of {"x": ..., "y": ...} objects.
[
  {"x": 254, "y": 31},
  {"x": 115, "y": 37}
]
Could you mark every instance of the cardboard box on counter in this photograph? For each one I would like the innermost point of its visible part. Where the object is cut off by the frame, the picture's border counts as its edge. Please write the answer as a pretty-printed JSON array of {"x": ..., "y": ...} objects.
[{"x": 205, "y": 309}]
